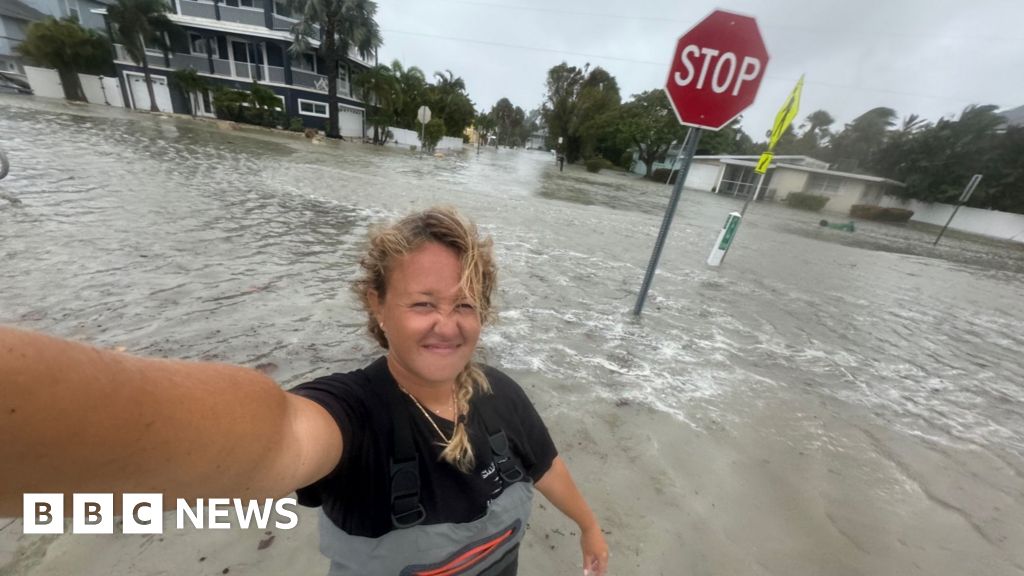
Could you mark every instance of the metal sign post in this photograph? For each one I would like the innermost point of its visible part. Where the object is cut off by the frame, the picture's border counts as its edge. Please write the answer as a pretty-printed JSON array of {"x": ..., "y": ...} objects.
[
  {"x": 423, "y": 115},
  {"x": 964, "y": 197},
  {"x": 783, "y": 119},
  {"x": 692, "y": 138}
]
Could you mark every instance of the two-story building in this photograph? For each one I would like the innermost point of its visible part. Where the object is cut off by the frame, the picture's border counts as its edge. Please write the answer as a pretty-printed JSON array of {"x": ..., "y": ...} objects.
[{"x": 233, "y": 43}]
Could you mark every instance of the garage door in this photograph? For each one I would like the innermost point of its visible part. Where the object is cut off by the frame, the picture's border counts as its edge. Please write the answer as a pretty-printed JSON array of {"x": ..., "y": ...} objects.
[
  {"x": 140, "y": 95},
  {"x": 350, "y": 122},
  {"x": 702, "y": 176}
]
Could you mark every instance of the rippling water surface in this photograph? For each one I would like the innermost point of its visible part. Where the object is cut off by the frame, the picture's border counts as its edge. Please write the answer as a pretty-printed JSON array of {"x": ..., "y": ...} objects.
[{"x": 173, "y": 238}]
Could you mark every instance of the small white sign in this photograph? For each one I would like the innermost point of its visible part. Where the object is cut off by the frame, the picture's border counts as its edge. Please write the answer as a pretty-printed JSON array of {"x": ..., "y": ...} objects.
[{"x": 423, "y": 115}]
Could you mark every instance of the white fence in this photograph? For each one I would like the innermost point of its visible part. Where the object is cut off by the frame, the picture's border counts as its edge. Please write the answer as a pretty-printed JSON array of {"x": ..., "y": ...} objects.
[
  {"x": 449, "y": 143},
  {"x": 992, "y": 223},
  {"x": 102, "y": 90},
  {"x": 46, "y": 82},
  {"x": 403, "y": 137}
]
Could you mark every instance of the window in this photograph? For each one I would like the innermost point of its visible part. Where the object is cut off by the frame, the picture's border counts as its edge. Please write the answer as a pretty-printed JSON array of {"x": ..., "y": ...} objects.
[
  {"x": 824, "y": 183},
  {"x": 245, "y": 3},
  {"x": 311, "y": 108},
  {"x": 306, "y": 62},
  {"x": 281, "y": 8},
  {"x": 197, "y": 44},
  {"x": 342, "y": 73}
]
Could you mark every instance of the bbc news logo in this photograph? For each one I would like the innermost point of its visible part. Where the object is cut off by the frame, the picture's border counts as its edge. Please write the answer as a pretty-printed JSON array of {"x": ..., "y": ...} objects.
[{"x": 144, "y": 513}]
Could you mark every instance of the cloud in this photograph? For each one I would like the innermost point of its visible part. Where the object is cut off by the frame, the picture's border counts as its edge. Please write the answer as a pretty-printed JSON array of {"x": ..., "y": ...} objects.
[{"x": 931, "y": 57}]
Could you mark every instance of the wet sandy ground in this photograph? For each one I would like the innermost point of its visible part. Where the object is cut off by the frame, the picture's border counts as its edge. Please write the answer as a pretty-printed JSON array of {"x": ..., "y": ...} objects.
[{"x": 824, "y": 403}]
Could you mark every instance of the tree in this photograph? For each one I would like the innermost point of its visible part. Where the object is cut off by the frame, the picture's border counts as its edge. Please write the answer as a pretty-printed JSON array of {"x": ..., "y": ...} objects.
[
  {"x": 856, "y": 147},
  {"x": 484, "y": 124},
  {"x": 432, "y": 133},
  {"x": 138, "y": 23},
  {"x": 578, "y": 108},
  {"x": 344, "y": 25},
  {"x": 412, "y": 86},
  {"x": 936, "y": 161},
  {"x": 503, "y": 113},
  {"x": 559, "y": 109},
  {"x": 448, "y": 100},
  {"x": 648, "y": 122},
  {"x": 598, "y": 99},
  {"x": 191, "y": 84},
  {"x": 379, "y": 88},
  {"x": 70, "y": 49},
  {"x": 731, "y": 139}
]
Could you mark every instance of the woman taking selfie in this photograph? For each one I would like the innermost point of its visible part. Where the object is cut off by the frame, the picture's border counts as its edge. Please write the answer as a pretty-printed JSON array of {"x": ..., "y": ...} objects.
[{"x": 423, "y": 463}]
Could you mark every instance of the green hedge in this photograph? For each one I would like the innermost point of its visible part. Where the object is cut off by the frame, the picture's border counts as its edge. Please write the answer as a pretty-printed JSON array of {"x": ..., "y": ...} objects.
[
  {"x": 806, "y": 201},
  {"x": 596, "y": 164},
  {"x": 661, "y": 174},
  {"x": 869, "y": 212}
]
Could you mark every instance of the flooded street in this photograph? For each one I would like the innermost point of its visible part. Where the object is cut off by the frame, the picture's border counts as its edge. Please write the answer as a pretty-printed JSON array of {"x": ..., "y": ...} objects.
[{"x": 173, "y": 238}]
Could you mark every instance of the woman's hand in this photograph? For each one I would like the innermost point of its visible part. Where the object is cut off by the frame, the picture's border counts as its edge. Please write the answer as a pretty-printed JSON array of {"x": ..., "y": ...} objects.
[{"x": 595, "y": 552}]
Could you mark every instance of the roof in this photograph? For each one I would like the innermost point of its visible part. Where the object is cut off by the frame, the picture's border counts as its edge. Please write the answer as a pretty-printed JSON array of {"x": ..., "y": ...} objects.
[
  {"x": 19, "y": 11},
  {"x": 846, "y": 175},
  {"x": 235, "y": 28},
  {"x": 1014, "y": 116}
]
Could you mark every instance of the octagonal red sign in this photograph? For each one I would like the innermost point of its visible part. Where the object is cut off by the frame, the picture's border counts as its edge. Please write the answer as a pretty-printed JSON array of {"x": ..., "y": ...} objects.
[{"x": 716, "y": 70}]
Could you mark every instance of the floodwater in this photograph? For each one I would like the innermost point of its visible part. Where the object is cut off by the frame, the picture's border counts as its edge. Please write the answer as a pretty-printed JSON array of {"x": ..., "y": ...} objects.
[{"x": 170, "y": 237}]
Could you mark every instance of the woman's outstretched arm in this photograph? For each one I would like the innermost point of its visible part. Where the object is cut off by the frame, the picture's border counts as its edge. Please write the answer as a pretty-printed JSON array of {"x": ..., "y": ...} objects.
[{"x": 74, "y": 418}]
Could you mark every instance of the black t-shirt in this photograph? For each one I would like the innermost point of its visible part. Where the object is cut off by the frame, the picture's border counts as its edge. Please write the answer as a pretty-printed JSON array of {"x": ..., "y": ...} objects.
[{"x": 356, "y": 494}]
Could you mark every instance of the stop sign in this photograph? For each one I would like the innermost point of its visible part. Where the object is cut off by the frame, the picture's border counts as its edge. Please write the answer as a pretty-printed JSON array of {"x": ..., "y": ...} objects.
[{"x": 716, "y": 70}]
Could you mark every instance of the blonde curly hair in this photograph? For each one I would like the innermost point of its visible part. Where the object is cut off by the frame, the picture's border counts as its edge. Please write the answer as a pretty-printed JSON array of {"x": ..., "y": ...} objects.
[{"x": 446, "y": 226}]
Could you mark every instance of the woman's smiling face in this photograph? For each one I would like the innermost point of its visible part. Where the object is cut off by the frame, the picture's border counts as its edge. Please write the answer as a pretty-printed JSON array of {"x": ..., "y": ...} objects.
[{"x": 432, "y": 327}]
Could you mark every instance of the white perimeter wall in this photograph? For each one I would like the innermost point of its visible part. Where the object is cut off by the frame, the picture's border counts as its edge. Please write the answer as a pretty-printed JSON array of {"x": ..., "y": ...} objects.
[
  {"x": 1004, "y": 225},
  {"x": 403, "y": 137},
  {"x": 45, "y": 82}
]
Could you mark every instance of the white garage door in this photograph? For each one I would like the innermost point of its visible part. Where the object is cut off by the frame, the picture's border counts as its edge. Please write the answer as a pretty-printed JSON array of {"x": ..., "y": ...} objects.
[
  {"x": 140, "y": 95},
  {"x": 702, "y": 176},
  {"x": 350, "y": 122}
]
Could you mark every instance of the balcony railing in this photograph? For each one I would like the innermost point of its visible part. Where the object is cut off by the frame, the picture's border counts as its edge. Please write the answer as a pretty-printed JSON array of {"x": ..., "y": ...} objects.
[
  {"x": 241, "y": 70},
  {"x": 251, "y": 16},
  {"x": 197, "y": 9}
]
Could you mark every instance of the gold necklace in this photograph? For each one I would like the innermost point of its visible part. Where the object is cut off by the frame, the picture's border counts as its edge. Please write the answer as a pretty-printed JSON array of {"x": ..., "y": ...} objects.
[{"x": 446, "y": 440}]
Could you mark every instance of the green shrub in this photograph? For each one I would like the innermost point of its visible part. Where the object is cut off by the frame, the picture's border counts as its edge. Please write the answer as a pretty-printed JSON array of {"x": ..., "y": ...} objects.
[
  {"x": 432, "y": 133},
  {"x": 806, "y": 201},
  {"x": 660, "y": 174},
  {"x": 869, "y": 212},
  {"x": 596, "y": 164},
  {"x": 295, "y": 124},
  {"x": 626, "y": 160},
  {"x": 230, "y": 104}
]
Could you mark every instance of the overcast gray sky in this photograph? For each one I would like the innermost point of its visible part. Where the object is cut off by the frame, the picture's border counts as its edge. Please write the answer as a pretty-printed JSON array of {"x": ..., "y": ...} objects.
[{"x": 930, "y": 57}]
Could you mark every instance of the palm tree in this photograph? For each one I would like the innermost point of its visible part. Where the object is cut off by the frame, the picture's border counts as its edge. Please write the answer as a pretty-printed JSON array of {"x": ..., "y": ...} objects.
[
  {"x": 818, "y": 123},
  {"x": 142, "y": 22},
  {"x": 449, "y": 101},
  {"x": 379, "y": 89},
  {"x": 344, "y": 25},
  {"x": 412, "y": 85}
]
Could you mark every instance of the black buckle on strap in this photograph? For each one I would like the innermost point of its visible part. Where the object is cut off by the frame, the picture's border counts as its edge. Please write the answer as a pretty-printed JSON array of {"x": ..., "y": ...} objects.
[
  {"x": 406, "y": 510},
  {"x": 507, "y": 468}
]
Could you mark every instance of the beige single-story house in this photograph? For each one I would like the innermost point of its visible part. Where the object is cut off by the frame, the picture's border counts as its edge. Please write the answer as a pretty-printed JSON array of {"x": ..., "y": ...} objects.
[{"x": 735, "y": 176}]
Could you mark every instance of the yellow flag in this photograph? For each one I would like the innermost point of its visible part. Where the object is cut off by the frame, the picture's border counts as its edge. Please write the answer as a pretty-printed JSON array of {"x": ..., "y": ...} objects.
[
  {"x": 763, "y": 162},
  {"x": 786, "y": 114}
]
